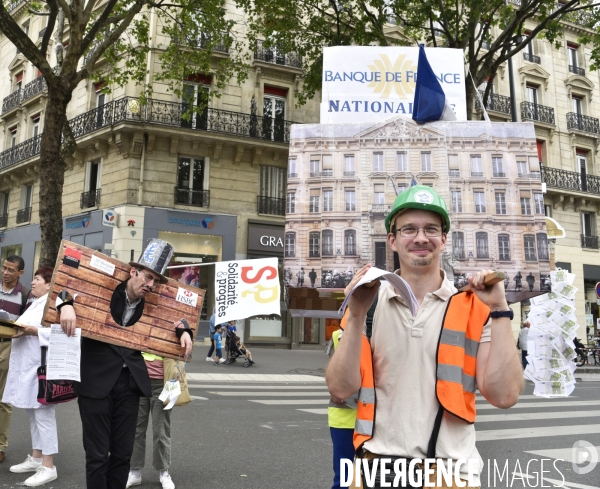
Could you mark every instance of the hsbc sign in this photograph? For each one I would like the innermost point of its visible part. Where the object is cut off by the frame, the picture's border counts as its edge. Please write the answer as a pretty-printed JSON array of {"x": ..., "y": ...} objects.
[{"x": 186, "y": 297}]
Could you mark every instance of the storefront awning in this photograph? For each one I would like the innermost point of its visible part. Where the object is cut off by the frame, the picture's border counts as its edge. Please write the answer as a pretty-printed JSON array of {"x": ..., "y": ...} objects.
[{"x": 554, "y": 229}]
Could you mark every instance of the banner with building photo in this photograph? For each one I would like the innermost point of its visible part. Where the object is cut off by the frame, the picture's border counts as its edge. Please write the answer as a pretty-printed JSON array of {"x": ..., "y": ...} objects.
[
  {"x": 345, "y": 182},
  {"x": 374, "y": 83}
]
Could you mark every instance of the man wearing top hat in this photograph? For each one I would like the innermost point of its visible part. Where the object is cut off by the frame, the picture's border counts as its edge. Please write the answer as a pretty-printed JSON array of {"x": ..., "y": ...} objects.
[{"x": 113, "y": 377}]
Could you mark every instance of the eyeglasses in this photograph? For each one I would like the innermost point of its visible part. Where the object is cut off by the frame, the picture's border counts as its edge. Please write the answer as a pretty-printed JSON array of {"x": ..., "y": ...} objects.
[
  {"x": 147, "y": 278},
  {"x": 431, "y": 231}
]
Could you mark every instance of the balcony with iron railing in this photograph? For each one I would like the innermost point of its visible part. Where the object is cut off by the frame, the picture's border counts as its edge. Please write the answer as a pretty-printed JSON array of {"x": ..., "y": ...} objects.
[
  {"x": 202, "y": 40},
  {"x": 274, "y": 54},
  {"x": 532, "y": 58},
  {"x": 12, "y": 101},
  {"x": 90, "y": 199},
  {"x": 591, "y": 242},
  {"x": 583, "y": 123},
  {"x": 194, "y": 198},
  {"x": 20, "y": 152},
  {"x": 270, "y": 205},
  {"x": 577, "y": 70},
  {"x": 33, "y": 88},
  {"x": 570, "y": 180},
  {"x": 3, "y": 220},
  {"x": 537, "y": 112},
  {"x": 24, "y": 215},
  {"x": 495, "y": 102}
]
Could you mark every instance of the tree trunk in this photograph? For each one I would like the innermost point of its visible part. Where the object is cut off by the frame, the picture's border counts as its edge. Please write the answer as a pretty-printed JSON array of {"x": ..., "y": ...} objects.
[
  {"x": 52, "y": 175},
  {"x": 470, "y": 94}
]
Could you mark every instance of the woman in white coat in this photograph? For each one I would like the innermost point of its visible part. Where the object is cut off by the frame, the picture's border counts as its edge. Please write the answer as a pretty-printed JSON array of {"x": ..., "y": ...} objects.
[{"x": 22, "y": 386}]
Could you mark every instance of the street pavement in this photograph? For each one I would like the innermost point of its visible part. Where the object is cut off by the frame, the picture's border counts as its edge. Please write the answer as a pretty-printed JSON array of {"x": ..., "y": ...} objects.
[{"x": 266, "y": 427}]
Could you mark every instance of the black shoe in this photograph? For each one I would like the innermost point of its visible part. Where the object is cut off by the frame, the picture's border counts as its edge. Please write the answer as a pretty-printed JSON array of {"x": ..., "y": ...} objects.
[{"x": 216, "y": 363}]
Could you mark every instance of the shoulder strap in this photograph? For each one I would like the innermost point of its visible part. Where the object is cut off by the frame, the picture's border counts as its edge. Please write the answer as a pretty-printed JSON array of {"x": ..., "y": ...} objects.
[
  {"x": 24, "y": 296},
  {"x": 434, "y": 434},
  {"x": 370, "y": 315},
  {"x": 44, "y": 349}
]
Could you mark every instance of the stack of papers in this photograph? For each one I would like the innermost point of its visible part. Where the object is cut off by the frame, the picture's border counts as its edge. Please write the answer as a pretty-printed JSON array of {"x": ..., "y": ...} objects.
[
  {"x": 397, "y": 282},
  {"x": 550, "y": 348}
]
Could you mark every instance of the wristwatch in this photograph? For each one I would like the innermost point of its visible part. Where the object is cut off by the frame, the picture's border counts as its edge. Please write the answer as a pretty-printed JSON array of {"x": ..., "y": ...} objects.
[{"x": 503, "y": 314}]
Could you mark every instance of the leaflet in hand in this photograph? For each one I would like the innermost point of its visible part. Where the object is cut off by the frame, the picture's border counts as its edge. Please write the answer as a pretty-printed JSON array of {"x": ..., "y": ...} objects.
[
  {"x": 64, "y": 355},
  {"x": 396, "y": 281}
]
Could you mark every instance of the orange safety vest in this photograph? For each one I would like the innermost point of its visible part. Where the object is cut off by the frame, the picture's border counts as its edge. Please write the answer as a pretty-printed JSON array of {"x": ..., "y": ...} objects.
[{"x": 462, "y": 326}]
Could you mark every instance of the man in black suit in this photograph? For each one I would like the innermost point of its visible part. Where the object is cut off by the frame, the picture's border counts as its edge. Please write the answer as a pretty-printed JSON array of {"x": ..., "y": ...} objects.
[{"x": 113, "y": 378}]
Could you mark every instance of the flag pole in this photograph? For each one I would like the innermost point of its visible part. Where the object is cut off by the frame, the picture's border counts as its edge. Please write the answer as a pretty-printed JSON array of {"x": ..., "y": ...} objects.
[{"x": 192, "y": 265}]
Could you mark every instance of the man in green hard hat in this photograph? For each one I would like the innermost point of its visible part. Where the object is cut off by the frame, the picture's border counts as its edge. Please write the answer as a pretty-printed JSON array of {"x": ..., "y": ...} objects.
[{"x": 422, "y": 368}]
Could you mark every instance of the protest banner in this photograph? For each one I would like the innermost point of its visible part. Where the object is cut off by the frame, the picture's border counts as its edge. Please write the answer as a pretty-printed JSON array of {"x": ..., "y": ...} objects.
[
  {"x": 246, "y": 288},
  {"x": 346, "y": 180},
  {"x": 94, "y": 276},
  {"x": 374, "y": 83}
]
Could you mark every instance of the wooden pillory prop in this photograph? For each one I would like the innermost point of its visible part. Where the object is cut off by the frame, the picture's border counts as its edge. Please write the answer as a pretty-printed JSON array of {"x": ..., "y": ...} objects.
[{"x": 94, "y": 276}]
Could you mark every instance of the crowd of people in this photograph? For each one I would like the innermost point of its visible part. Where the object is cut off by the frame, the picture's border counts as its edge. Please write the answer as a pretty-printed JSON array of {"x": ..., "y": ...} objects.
[{"x": 118, "y": 391}]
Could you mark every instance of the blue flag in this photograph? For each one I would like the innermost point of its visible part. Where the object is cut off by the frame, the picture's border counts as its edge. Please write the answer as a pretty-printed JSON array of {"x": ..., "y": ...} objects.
[
  {"x": 430, "y": 103},
  {"x": 413, "y": 182}
]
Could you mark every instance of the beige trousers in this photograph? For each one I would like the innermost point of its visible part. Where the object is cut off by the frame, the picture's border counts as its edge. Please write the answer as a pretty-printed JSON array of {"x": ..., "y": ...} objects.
[
  {"x": 5, "y": 409},
  {"x": 358, "y": 484}
]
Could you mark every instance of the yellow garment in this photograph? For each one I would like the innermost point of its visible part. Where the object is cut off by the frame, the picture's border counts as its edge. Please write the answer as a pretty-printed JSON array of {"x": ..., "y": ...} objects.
[
  {"x": 340, "y": 417},
  {"x": 151, "y": 357}
]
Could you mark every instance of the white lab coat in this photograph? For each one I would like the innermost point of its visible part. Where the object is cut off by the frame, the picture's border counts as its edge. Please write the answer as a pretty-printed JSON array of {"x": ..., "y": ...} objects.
[{"x": 25, "y": 357}]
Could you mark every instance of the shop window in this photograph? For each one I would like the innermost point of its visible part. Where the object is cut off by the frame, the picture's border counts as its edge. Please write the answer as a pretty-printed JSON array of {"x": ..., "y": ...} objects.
[
  {"x": 426, "y": 162},
  {"x": 500, "y": 203},
  {"x": 476, "y": 166},
  {"x": 529, "y": 246},
  {"x": 350, "y": 242},
  {"x": 458, "y": 245},
  {"x": 290, "y": 244},
  {"x": 291, "y": 203},
  {"x": 195, "y": 97},
  {"x": 327, "y": 200},
  {"x": 350, "y": 199},
  {"x": 504, "y": 247},
  {"x": 479, "y": 197},
  {"x": 378, "y": 161},
  {"x": 314, "y": 244},
  {"x": 402, "y": 161},
  {"x": 456, "y": 196},
  {"x": 542, "y": 246},
  {"x": 327, "y": 242},
  {"x": 481, "y": 242}
]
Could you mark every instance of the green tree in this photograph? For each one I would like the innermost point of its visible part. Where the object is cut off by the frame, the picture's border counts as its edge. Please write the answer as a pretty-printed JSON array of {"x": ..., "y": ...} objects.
[
  {"x": 489, "y": 32},
  {"x": 110, "y": 41}
]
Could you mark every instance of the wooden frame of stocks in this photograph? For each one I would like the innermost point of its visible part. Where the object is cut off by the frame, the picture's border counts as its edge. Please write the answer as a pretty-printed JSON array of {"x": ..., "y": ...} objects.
[{"x": 94, "y": 286}]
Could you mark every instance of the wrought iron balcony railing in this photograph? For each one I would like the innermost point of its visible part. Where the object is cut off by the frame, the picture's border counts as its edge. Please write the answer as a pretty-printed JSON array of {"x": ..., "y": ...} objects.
[
  {"x": 476, "y": 173},
  {"x": 349, "y": 173},
  {"x": 24, "y": 215},
  {"x": 11, "y": 101},
  {"x": 33, "y": 88},
  {"x": 292, "y": 175},
  {"x": 582, "y": 123},
  {"x": 3, "y": 220},
  {"x": 577, "y": 70},
  {"x": 201, "y": 40},
  {"x": 570, "y": 180},
  {"x": 532, "y": 58},
  {"x": 499, "y": 174},
  {"x": 270, "y": 205},
  {"x": 20, "y": 152},
  {"x": 194, "y": 198},
  {"x": 315, "y": 174},
  {"x": 590, "y": 242},
  {"x": 497, "y": 103},
  {"x": 90, "y": 199},
  {"x": 13, "y": 5},
  {"x": 273, "y": 54},
  {"x": 536, "y": 112}
]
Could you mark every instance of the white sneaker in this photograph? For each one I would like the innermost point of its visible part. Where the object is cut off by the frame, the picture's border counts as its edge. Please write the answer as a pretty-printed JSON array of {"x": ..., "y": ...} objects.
[
  {"x": 208, "y": 359},
  {"x": 30, "y": 465},
  {"x": 222, "y": 360},
  {"x": 133, "y": 480},
  {"x": 166, "y": 482},
  {"x": 42, "y": 476}
]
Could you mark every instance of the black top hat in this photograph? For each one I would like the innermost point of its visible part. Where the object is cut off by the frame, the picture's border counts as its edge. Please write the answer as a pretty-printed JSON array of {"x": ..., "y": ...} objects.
[{"x": 155, "y": 257}]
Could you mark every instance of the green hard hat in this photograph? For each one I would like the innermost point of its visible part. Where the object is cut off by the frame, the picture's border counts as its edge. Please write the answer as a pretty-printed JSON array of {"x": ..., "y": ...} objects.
[{"x": 419, "y": 197}]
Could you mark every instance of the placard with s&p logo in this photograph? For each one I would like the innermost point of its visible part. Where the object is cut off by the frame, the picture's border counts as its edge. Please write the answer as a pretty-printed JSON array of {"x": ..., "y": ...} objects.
[{"x": 246, "y": 288}]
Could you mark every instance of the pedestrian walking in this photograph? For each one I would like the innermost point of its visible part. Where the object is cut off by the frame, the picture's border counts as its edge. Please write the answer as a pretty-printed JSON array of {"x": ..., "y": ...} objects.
[
  {"x": 211, "y": 335},
  {"x": 522, "y": 342},
  {"x": 300, "y": 276},
  {"x": 14, "y": 301},
  {"x": 530, "y": 279},
  {"x": 312, "y": 275},
  {"x": 218, "y": 344},
  {"x": 418, "y": 376}
]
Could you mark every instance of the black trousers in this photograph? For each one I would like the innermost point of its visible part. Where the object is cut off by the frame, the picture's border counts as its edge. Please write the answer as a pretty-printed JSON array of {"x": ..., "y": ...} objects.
[{"x": 109, "y": 433}]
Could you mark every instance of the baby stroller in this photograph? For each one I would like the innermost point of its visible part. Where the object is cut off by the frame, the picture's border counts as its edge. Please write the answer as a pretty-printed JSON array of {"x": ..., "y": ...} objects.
[{"x": 235, "y": 352}]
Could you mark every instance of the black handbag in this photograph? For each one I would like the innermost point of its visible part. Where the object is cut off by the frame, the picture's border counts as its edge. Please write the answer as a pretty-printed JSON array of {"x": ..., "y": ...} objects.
[{"x": 53, "y": 391}]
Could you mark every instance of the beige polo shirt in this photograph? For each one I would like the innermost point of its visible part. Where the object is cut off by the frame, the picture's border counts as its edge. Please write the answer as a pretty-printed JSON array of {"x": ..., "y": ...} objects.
[{"x": 404, "y": 361}]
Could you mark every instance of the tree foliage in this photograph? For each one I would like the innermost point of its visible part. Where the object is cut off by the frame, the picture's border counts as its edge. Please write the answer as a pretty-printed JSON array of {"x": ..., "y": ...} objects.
[
  {"x": 489, "y": 32},
  {"x": 110, "y": 40}
]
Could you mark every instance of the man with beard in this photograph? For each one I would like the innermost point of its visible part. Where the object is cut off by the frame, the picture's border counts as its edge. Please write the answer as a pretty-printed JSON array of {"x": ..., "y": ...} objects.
[
  {"x": 112, "y": 377},
  {"x": 416, "y": 379}
]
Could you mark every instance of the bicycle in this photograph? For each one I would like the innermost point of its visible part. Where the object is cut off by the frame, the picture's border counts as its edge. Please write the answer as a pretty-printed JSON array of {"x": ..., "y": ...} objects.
[{"x": 583, "y": 356}]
